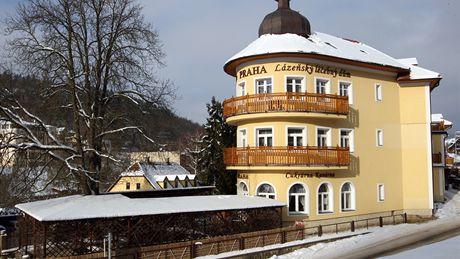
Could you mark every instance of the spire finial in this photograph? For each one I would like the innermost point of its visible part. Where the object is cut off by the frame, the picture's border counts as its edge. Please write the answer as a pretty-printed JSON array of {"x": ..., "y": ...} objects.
[{"x": 283, "y": 4}]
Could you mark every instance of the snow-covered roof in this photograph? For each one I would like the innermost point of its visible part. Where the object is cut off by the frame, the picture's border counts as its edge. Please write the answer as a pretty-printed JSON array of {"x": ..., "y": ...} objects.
[
  {"x": 438, "y": 118},
  {"x": 417, "y": 72},
  {"x": 158, "y": 172},
  {"x": 79, "y": 207},
  {"x": 318, "y": 43}
]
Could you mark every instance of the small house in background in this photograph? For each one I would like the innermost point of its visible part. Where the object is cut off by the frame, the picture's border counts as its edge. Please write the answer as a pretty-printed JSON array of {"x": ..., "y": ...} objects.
[{"x": 149, "y": 176}]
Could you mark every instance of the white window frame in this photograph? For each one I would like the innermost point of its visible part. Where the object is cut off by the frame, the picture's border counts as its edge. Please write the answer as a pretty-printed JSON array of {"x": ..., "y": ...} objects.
[
  {"x": 350, "y": 90},
  {"x": 256, "y": 135},
  {"x": 328, "y": 84},
  {"x": 304, "y": 134},
  {"x": 378, "y": 92},
  {"x": 266, "y": 194},
  {"x": 330, "y": 199},
  {"x": 265, "y": 87},
  {"x": 380, "y": 192},
  {"x": 240, "y": 138},
  {"x": 307, "y": 200},
  {"x": 328, "y": 136},
  {"x": 351, "y": 138},
  {"x": 379, "y": 138},
  {"x": 240, "y": 191},
  {"x": 352, "y": 194},
  {"x": 303, "y": 84},
  {"x": 239, "y": 86}
]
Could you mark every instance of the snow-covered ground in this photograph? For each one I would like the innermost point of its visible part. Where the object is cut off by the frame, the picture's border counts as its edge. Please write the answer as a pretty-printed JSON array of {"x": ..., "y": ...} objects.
[{"x": 383, "y": 239}]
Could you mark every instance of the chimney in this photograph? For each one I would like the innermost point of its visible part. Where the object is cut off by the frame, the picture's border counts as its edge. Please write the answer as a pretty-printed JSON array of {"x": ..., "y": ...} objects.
[{"x": 283, "y": 4}]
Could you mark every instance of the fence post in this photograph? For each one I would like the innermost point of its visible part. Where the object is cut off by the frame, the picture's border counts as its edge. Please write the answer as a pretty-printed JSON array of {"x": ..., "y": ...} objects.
[
  {"x": 3, "y": 237},
  {"x": 352, "y": 226},
  {"x": 381, "y": 221},
  {"x": 320, "y": 230},
  {"x": 241, "y": 243},
  {"x": 192, "y": 250}
]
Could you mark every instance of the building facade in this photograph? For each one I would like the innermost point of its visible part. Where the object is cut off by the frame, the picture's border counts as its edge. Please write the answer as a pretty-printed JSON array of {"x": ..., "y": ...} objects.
[{"x": 330, "y": 126}]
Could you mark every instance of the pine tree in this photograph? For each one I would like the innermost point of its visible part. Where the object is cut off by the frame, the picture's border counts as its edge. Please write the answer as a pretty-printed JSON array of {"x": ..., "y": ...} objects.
[{"x": 218, "y": 135}]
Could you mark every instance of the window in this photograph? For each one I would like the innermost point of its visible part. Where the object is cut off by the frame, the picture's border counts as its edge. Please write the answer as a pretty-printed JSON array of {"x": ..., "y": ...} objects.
[
  {"x": 296, "y": 137},
  {"x": 243, "y": 189},
  {"x": 128, "y": 185},
  {"x": 347, "y": 197},
  {"x": 323, "y": 137},
  {"x": 241, "y": 89},
  {"x": 266, "y": 191},
  {"x": 379, "y": 138},
  {"x": 378, "y": 92},
  {"x": 294, "y": 84},
  {"x": 298, "y": 199},
  {"x": 264, "y": 86},
  {"x": 138, "y": 186},
  {"x": 347, "y": 139},
  {"x": 243, "y": 138},
  {"x": 322, "y": 86},
  {"x": 381, "y": 192},
  {"x": 264, "y": 137},
  {"x": 324, "y": 198},
  {"x": 346, "y": 89}
]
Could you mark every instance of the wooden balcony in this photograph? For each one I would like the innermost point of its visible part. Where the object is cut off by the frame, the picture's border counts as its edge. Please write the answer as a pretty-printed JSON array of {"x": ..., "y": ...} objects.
[
  {"x": 287, "y": 156},
  {"x": 286, "y": 102}
]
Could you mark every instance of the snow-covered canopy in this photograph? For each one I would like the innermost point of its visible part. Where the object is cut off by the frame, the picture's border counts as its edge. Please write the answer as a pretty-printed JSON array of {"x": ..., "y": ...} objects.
[
  {"x": 80, "y": 207},
  {"x": 328, "y": 45}
]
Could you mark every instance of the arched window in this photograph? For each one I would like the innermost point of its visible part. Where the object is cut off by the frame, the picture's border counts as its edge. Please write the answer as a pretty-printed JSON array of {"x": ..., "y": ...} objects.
[
  {"x": 243, "y": 189},
  {"x": 266, "y": 190},
  {"x": 325, "y": 198},
  {"x": 347, "y": 197},
  {"x": 298, "y": 199}
]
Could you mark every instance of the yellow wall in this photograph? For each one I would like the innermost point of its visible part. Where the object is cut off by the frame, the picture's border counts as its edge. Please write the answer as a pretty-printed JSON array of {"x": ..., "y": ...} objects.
[
  {"x": 120, "y": 186},
  {"x": 402, "y": 164}
]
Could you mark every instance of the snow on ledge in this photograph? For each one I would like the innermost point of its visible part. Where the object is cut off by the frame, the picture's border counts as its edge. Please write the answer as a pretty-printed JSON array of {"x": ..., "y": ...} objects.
[{"x": 79, "y": 207}]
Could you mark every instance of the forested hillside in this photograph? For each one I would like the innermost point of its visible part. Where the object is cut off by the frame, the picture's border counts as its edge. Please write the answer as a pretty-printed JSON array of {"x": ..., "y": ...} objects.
[{"x": 161, "y": 124}]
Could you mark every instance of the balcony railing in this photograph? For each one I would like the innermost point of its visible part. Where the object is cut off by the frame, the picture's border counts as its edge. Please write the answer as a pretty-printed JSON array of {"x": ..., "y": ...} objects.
[
  {"x": 286, "y": 102},
  {"x": 287, "y": 156}
]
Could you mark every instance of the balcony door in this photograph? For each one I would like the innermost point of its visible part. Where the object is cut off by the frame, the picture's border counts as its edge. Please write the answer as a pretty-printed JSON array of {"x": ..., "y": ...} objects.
[
  {"x": 296, "y": 137},
  {"x": 264, "y": 86},
  {"x": 323, "y": 137},
  {"x": 295, "y": 84},
  {"x": 264, "y": 137}
]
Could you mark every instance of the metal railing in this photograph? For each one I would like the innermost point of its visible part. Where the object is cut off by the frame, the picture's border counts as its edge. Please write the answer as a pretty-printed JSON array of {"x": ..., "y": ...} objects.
[
  {"x": 286, "y": 102},
  {"x": 285, "y": 156}
]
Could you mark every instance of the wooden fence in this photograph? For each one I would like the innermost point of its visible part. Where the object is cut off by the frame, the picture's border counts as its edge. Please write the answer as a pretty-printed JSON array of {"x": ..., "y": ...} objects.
[{"x": 233, "y": 243}]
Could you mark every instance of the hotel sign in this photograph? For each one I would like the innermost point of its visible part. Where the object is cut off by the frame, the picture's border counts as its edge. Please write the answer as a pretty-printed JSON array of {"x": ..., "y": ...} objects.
[
  {"x": 306, "y": 68},
  {"x": 297, "y": 175}
]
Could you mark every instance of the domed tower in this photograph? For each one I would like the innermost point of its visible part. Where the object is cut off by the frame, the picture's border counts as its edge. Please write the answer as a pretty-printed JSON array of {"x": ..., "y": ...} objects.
[
  {"x": 318, "y": 116},
  {"x": 284, "y": 20}
]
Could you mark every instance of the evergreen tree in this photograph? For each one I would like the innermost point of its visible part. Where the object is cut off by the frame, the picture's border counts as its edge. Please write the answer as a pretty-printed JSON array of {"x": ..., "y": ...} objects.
[{"x": 218, "y": 135}]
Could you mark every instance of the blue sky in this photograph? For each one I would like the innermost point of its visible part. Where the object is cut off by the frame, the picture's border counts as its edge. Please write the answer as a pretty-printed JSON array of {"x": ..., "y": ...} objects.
[{"x": 199, "y": 36}]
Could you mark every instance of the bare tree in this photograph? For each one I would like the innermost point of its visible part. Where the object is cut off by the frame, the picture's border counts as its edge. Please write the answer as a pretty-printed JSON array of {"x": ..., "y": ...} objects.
[{"x": 95, "y": 53}]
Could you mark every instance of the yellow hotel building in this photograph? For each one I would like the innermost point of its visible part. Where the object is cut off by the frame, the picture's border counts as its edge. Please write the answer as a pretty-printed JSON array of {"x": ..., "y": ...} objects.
[{"x": 331, "y": 126}]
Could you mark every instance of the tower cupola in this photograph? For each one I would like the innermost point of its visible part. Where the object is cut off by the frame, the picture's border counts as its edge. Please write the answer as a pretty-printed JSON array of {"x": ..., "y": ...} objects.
[{"x": 285, "y": 20}]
